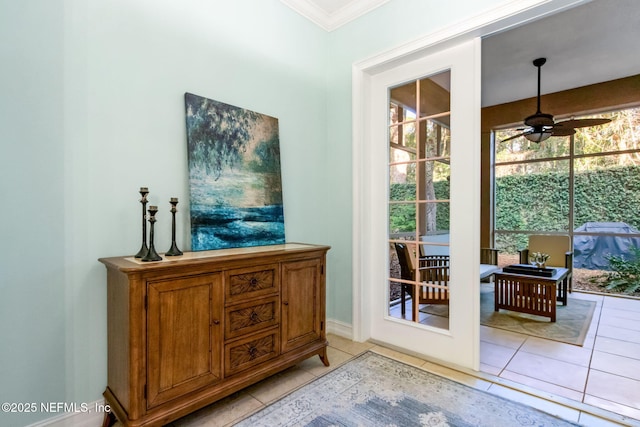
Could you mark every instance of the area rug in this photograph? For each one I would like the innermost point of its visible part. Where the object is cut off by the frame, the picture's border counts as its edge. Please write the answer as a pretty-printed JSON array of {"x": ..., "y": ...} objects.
[
  {"x": 373, "y": 390},
  {"x": 571, "y": 325}
]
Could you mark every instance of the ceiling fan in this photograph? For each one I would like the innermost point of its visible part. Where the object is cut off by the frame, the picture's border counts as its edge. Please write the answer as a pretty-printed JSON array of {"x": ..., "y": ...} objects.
[{"x": 542, "y": 126}]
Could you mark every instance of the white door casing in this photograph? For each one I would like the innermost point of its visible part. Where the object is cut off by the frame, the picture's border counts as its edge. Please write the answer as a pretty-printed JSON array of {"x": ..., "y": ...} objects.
[{"x": 370, "y": 263}]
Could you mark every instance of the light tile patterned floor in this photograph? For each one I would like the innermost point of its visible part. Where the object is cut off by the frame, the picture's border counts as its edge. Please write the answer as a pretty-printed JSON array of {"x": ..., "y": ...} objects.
[{"x": 605, "y": 372}]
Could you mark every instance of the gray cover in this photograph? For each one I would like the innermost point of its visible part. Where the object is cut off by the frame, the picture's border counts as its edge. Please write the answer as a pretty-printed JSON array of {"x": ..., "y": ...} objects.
[{"x": 589, "y": 251}]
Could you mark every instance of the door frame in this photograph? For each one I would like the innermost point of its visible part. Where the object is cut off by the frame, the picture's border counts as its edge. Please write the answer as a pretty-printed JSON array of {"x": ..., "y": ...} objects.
[
  {"x": 364, "y": 216},
  {"x": 455, "y": 343}
]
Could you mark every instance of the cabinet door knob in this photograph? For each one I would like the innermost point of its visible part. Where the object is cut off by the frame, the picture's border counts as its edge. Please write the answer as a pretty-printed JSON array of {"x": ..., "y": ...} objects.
[
  {"x": 285, "y": 303},
  {"x": 216, "y": 322}
]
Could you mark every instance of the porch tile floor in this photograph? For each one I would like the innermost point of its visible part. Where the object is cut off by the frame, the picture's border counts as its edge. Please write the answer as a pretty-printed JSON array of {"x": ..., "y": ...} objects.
[{"x": 605, "y": 372}]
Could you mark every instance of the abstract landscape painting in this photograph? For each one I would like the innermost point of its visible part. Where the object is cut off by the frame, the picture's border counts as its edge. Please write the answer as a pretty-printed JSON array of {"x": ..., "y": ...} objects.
[{"x": 234, "y": 176}]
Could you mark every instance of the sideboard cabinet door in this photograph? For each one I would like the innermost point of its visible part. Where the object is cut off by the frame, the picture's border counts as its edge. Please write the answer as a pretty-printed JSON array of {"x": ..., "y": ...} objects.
[
  {"x": 302, "y": 302},
  {"x": 184, "y": 334}
]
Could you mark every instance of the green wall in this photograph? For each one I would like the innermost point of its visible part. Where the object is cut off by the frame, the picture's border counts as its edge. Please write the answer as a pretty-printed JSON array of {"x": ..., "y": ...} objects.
[
  {"x": 92, "y": 108},
  {"x": 32, "y": 232}
]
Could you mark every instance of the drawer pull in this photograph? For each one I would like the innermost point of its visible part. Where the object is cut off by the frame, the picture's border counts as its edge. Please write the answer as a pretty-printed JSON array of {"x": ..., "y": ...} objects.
[
  {"x": 252, "y": 352},
  {"x": 253, "y": 281},
  {"x": 255, "y": 317}
]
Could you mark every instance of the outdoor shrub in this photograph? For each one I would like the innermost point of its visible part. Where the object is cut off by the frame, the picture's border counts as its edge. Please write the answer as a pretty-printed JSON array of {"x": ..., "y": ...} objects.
[{"x": 624, "y": 275}]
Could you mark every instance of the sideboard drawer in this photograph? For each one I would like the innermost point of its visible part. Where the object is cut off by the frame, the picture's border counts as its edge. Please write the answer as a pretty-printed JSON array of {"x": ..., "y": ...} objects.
[
  {"x": 251, "y": 282},
  {"x": 251, "y": 316},
  {"x": 245, "y": 353}
]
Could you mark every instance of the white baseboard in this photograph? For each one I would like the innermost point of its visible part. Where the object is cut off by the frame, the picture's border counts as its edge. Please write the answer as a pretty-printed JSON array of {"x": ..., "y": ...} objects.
[
  {"x": 92, "y": 417},
  {"x": 339, "y": 328}
]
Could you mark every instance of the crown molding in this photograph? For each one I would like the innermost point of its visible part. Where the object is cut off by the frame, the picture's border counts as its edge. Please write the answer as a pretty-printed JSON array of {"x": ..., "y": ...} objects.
[{"x": 331, "y": 21}]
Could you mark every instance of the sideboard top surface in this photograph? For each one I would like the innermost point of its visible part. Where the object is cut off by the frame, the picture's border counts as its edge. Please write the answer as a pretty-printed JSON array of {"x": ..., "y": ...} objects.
[{"x": 130, "y": 263}]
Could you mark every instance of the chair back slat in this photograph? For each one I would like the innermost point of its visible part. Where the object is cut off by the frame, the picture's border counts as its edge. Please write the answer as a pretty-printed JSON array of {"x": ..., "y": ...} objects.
[{"x": 407, "y": 271}]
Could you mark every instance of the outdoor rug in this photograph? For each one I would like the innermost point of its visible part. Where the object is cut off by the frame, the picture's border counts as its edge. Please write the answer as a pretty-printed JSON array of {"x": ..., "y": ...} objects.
[
  {"x": 571, "y": 325},
  {"x": 373, "y": 390}
]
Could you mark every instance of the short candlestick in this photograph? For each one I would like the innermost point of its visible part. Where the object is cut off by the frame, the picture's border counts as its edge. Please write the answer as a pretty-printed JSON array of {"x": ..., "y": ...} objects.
[{"x": 173, "y": 251}]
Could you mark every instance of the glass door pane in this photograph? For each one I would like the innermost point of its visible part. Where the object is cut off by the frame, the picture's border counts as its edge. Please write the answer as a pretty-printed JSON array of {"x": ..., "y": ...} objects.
[{"x": 419, "y": 175}]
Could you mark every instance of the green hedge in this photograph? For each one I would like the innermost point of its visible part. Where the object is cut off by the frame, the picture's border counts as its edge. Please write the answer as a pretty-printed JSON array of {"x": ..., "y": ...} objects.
[
  {"x": 402, "y": 217},
  {"x": 533, "y": 202},
  {"x": 608, "y": 195},
  {"x": 540, "y": 202}
]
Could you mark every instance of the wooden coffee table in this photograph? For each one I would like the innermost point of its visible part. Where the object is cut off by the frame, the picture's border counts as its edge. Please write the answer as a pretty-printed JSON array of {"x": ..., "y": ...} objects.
[{"x": 531, "y": 294}]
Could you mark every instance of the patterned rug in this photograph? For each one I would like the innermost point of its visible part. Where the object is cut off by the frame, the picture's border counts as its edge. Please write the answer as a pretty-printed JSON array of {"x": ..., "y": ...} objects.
[
  {"x": 373, "y": 390},
  {"x": 571, "y": 325}
]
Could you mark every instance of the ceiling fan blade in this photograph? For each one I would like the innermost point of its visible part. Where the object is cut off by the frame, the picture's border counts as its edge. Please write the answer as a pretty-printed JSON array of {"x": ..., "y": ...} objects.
[
  {"x": 562, "y": 131},
  {"x": 514, "y": 136},
  {"x": 582, "y": 123}
]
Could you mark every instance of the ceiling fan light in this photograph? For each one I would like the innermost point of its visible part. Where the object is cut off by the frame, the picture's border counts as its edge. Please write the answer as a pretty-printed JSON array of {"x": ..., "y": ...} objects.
[{"x": 538, "y": 135}]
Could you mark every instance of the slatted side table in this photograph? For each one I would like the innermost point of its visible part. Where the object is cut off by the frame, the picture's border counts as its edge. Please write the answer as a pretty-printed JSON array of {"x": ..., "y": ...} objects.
[{"x": 531, "y": 294}]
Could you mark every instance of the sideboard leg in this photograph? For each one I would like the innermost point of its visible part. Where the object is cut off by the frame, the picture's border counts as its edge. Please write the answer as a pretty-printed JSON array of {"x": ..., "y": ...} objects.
[
  {"x": 324, "y": 357},
  {"x": 109, "y": 419}
]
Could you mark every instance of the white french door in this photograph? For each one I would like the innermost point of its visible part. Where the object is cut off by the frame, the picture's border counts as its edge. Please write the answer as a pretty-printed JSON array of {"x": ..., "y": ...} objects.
[{"x": 455, "y": 70}]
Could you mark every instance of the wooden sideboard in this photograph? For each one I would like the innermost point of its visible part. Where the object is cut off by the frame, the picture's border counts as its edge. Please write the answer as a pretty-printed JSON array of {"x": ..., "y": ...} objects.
[{"x": 189, "y": 330}]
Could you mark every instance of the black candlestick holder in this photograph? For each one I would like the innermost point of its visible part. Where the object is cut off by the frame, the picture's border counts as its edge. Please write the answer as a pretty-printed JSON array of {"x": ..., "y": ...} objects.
[
  {"x": 144, "y": 249},
  {"x": 173, "y": 251},
  {"x": 151, "y": 255}
]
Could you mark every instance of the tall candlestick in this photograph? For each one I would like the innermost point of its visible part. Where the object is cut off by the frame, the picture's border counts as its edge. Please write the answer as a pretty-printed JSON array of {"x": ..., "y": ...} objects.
[
  {"x": 144, "y": 249},
  {"x": 173, "y": 251},
  {"x": 152, "y": 255}
]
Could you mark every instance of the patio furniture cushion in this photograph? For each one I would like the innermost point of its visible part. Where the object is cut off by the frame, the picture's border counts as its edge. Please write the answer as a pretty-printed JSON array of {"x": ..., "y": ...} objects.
[{"x": 557, "y": 246}]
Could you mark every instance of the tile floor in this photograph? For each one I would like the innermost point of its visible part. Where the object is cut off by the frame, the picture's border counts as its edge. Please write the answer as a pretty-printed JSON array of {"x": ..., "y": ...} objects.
[
  {"x": 594, "y": 385},
  {"x": 605, "y": 372}
]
